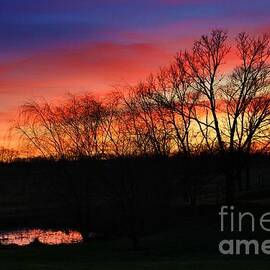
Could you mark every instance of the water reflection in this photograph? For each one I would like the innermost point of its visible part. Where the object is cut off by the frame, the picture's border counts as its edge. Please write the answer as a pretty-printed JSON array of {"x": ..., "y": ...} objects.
[{"x": 48, "y": 237}]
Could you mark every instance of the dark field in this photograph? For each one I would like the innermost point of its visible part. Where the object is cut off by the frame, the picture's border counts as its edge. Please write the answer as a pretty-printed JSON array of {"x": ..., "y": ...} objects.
[
  {"x": 177, "y": 224},
  {"x": 98, "y": 256}
]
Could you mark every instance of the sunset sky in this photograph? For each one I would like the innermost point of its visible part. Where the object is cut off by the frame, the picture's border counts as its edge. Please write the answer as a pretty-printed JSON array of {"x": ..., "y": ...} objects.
[{"x": 50, "y": 47}]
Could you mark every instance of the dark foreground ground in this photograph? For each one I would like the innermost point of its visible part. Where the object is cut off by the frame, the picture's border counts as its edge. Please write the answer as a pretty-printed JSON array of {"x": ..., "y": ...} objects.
[
  {"x": 159, "y": 252},
  {"x": 83, "y": 257},
  {"x": 191, "y": 240}
]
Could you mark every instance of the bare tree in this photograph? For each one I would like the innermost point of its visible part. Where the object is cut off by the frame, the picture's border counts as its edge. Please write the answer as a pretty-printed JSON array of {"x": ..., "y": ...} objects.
[
  {"x": 247, "y": 94},
  {"x": 186, "y": 108}
]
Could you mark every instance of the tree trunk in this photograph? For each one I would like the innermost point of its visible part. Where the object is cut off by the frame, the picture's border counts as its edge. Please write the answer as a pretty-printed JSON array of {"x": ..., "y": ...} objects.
[
  {"x": 229, "y": 188},
  {"x": 247, "y": 175},
  {"x": 135, "y": 242},
  {"x": 239, "y": 179}
]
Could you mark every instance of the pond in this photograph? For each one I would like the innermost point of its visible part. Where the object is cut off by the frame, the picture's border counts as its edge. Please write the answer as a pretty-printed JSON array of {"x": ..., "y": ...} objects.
[{"x": 47, "y": 237}]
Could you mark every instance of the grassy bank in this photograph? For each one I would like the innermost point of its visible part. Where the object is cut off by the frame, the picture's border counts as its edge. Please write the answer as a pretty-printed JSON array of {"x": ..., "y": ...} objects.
[
  {"x": 159, "y": 252},
  {"x": 84, "y": 257}
]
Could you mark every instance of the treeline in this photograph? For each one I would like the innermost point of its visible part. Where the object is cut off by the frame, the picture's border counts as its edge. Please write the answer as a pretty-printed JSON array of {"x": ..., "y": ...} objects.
[{"x": 190, "y": 107}]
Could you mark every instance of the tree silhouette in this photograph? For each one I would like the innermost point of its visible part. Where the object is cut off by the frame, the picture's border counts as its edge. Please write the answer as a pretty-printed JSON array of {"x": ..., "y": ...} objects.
[{"x": 192, "y": 106}]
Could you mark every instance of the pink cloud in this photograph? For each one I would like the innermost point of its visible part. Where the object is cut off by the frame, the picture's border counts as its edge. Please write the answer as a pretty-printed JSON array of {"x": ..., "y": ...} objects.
[
  {"x": 93, "y": 67},
  {"x": 94, "y": 64}
]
